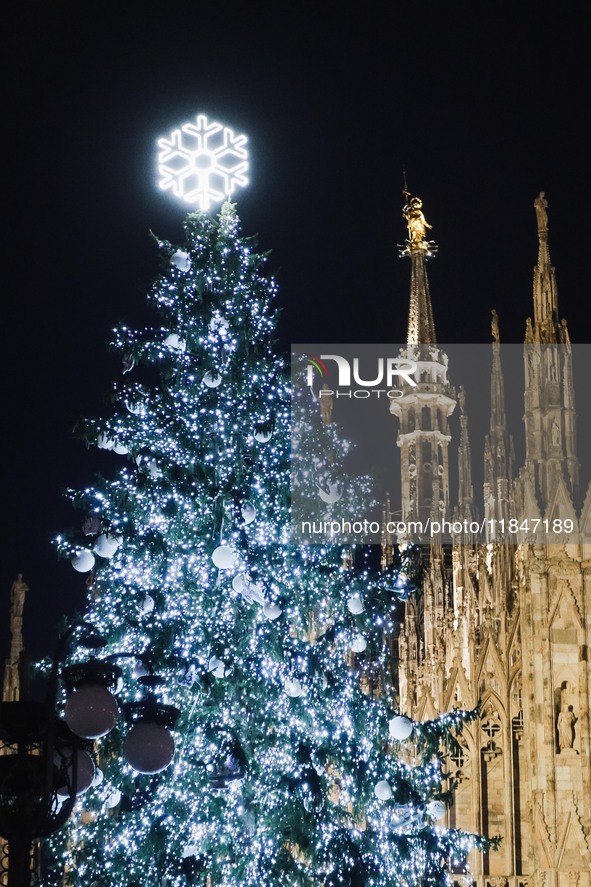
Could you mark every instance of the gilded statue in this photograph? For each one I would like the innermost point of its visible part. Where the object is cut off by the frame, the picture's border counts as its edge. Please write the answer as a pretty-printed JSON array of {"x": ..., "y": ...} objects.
[{"x": 416, "y": 222}]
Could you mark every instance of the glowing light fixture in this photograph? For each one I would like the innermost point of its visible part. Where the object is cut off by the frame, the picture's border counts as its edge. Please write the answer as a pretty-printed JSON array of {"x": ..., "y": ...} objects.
[{"x": 203, "y": 162}]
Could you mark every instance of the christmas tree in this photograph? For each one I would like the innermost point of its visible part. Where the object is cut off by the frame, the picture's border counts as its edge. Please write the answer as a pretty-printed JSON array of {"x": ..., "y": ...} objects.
[{"x": 291, "y": 764}]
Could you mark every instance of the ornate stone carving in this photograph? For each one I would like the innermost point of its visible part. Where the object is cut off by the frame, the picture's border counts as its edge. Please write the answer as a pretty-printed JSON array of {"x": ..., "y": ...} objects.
[{"x": 518, "y": 727}]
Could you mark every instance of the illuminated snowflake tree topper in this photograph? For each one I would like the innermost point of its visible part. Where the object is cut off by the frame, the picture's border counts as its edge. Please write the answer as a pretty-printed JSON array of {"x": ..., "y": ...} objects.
[{"x": 203, "y": 162}]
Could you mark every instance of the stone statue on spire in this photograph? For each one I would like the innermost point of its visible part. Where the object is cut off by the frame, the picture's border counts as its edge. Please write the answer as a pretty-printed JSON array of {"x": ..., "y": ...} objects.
[
  {"x": 494, "y": 326},
  {"x": 12, "y": 675},
  {"x": 17, "y": 598},
  {"x": 541, "y": 206},
  {"x": 416, "y": 223}
]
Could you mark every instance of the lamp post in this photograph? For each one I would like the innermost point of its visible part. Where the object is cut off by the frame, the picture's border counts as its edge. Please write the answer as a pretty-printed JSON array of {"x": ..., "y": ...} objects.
[{"x": 43, "y": 765}]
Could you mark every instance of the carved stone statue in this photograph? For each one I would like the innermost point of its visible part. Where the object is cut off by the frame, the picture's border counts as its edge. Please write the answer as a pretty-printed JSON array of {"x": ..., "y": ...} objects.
[
  {"x": 541, "y": 205},
  {"x": 555, "y": 433},
  {"x": 565, "y": 724},
  {"x": 564, "y": 336},
  {"x": 415, "y": 220},
  {"x": 494, "y": 326},
  {"x": 462, "y": 398},
  {"x": 17, "y": 598}
]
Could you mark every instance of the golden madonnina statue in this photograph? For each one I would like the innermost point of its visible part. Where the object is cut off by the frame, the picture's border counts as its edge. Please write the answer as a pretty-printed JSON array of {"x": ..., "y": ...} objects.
[{"x": 416, "y": 222}]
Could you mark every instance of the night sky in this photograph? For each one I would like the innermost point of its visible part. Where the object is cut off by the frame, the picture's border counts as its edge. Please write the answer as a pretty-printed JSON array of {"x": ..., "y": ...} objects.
[{"x": 483, "y": 104}]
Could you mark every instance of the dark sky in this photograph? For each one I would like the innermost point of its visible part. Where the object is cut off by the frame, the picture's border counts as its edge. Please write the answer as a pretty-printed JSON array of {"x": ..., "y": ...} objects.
[{"x": 482, "y": 103}]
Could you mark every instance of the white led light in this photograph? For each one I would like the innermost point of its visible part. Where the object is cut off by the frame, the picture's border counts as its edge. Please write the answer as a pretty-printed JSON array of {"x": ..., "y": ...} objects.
[{"x": 203, "y": 162}]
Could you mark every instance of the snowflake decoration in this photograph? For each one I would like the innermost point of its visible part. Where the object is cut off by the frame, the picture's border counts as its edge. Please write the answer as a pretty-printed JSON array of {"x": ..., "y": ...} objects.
[{"x": 203, "y": 162}]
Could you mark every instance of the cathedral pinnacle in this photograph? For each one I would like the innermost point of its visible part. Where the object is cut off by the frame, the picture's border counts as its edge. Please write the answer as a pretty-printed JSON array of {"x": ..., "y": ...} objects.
[
  {"x": 11, "y": 689},
  {"x": 546, "y": 328},
  {"x": 541, "y": 207},
  {"x": 421, "y": 327}
]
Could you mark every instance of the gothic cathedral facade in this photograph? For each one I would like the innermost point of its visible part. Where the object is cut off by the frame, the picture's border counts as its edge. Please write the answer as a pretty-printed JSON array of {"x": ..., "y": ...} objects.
[{"x": 506, "y": 628}]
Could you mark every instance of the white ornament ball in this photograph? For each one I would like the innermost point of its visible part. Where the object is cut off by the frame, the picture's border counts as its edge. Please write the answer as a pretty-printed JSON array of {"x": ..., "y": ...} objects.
[
  {"x": 217, "y": 668},
  {"x": 180, "y": 260},
  {"x": 113, "y": 800},
  {"x": 436, "y": 809},
  {"x": 332, "y": 495},
  {"x": 91, "y": 711},
  {"x": 84, "y": 772},
  {"x": 383, "y": 790},
  {"x": 104, "y": 443},
  {"x": 148, "y": 747},
  {"x": 98, "y": 777},
  {"x": 293, "y": 688},
  {"x": 120, "y": 449},
  {"x": 358, "y": 644},
  {"x": 106, "y": 545},
  {"x": 224, "y": 557},
  {"x": 263, "y": 436},
  {"x": 239, "y": 583},
  {"x": 173, "y": 341},
  {"x": 212, "y": 381},
  {"x": 83, "y": 561},
  {"x": 355, "y": 604},
  {"x": 271, "y": 611},
  {"x": 147, "y": 605},
  {"x": 399, "y": 728},
  {"x": 249, "y": 512},
  {"x": 136, "y": 407}
]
